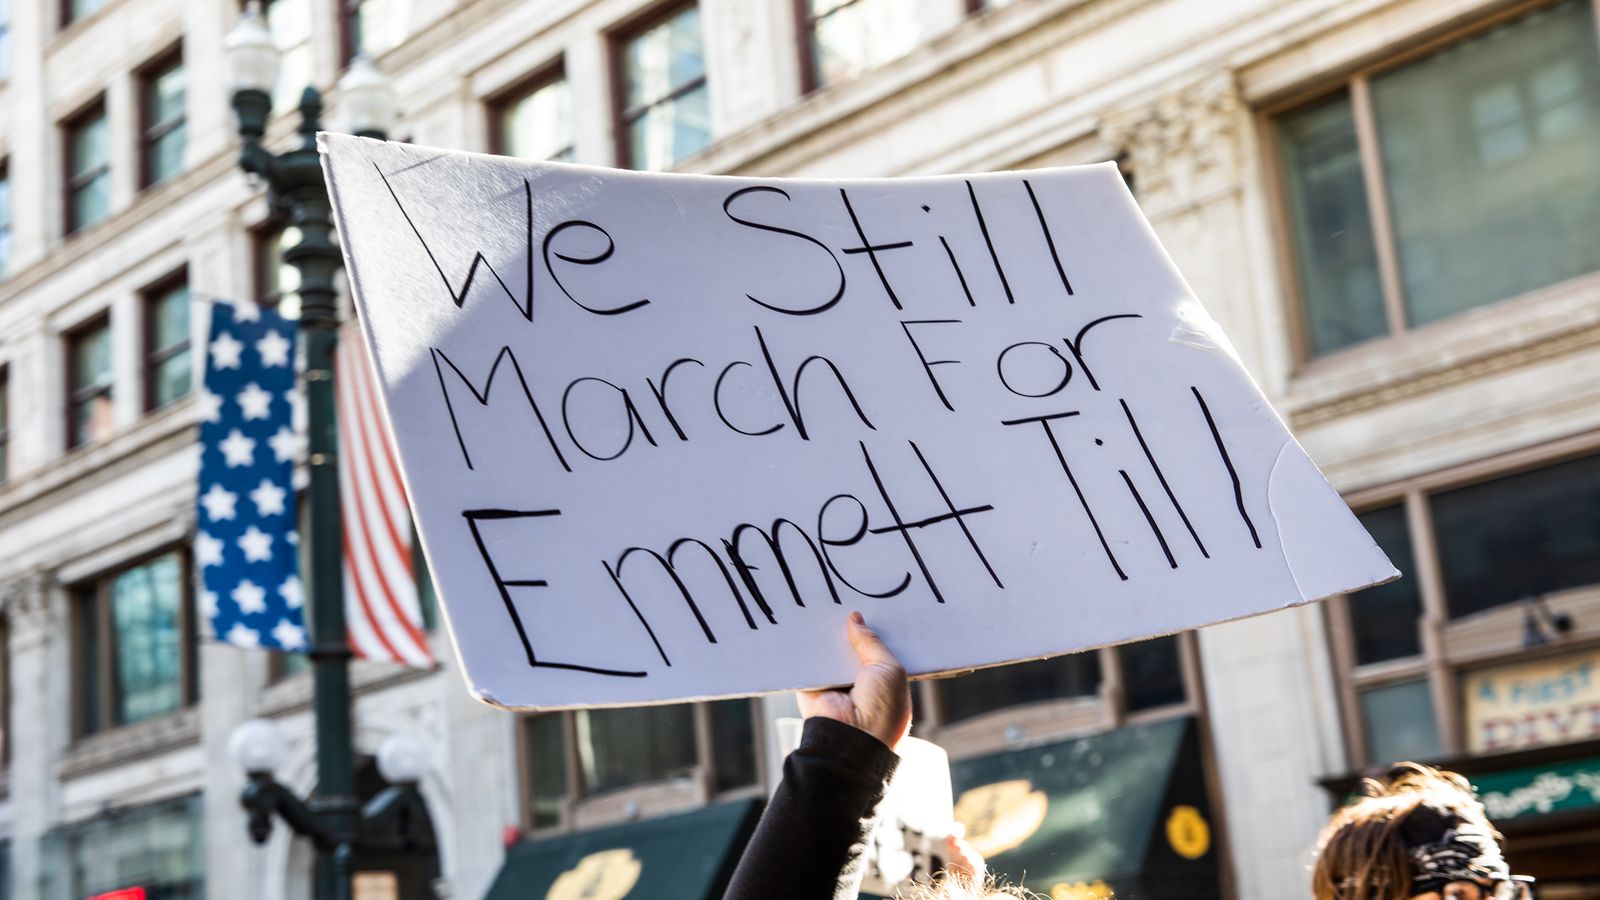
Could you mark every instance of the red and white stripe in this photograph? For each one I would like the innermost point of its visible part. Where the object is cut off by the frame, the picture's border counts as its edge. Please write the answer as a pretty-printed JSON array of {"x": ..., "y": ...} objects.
[{"x": 382, "y": 611}]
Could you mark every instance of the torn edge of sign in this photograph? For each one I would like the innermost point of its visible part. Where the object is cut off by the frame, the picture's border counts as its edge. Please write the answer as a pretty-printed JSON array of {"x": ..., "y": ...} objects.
[{"x": 1293, "y": 466}]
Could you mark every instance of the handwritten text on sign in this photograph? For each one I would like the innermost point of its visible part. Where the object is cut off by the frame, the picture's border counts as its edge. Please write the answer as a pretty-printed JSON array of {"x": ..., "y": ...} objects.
[{"x": 662, "y": 432}]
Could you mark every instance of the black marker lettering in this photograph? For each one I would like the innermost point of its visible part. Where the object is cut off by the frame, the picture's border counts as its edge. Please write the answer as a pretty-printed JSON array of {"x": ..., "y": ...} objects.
[
  {"x": 872, "y": 250},
  {"x": 483, "y": 398},
  {"x": 1044, "y": 422},
  {"x": 716, "y": 400},
  {"x": 1000, "y": 369},
  {"x": 1149, "y": 519},
  {"x": 1076, "y": 344},
  {"x": 661, "y": 394},
  {"x": 473, "y": 517},
  {"x": 1050, "y": 241},
  {"x": 927, "y": 365},
  {"x": 989, "y": 242},
  {"x": 630, "y": 413},
  {"x": 837, "y": 294},
  {"x": 1162, "y": 477},
  {"x": 791, "y": 396},
  {"x": 852, "y": 540},
  {"x": 1238, "y": 490},
  {"x": 611, "y": 247},
  {"x": 774, "y": 543}
]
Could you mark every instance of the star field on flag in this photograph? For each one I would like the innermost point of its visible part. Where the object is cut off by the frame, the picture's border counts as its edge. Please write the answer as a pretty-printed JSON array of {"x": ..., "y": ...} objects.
[{"x": 245, "y": 542}]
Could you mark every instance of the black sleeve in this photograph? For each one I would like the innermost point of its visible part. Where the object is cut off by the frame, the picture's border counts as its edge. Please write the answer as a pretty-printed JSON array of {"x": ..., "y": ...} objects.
[{"x": 810, "y": 841}]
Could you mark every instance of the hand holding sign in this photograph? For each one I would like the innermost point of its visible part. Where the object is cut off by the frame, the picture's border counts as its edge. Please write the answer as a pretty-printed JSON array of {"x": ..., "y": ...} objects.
[
  {"x": 879, "y": 702},
  {"x": 661, "y": 433}
]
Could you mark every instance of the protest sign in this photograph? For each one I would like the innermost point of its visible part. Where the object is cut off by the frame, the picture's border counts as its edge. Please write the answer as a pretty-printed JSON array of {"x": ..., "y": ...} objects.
[{"x": 662, "y": 433}]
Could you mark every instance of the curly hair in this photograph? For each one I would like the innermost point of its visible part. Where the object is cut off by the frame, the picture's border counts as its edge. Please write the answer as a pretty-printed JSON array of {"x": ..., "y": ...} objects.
[
  {"x": 960, "y": 887},
  {"x": 1363, "y": 853}
]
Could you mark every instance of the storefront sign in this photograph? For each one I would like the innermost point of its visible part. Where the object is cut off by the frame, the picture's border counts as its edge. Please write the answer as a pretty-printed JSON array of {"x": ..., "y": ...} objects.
[
  {"x": 662, "y": 433},
  {"x": 1563, "y": 787},
  {"x": 1554, "y": 700}
]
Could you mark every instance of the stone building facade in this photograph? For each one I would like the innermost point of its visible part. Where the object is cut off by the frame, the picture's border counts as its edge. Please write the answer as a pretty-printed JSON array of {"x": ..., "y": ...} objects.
[{"x": 1422, "y": 308}]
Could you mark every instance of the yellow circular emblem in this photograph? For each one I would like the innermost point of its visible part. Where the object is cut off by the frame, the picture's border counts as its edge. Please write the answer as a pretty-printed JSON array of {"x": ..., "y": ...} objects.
[
  {"x": 1188, "y": 832},
  {"x": 1000, "y": 816},
  {"x": 606, "y": 875}
]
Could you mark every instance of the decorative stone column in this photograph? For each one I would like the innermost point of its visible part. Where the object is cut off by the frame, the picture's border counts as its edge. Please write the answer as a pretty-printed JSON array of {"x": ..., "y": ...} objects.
[{"x": 37, "y": 729}]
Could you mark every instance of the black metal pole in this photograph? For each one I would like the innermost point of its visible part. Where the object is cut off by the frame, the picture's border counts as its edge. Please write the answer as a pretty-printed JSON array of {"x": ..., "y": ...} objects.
[{"x": 296, "y": 183}]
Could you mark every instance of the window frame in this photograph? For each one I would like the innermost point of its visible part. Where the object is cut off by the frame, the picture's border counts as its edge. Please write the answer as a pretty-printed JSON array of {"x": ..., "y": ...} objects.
[
  {"x": 1451, "y": 648},
  {"x": 91, "y": 597},
  {"x": 1356, "y": 80},
  {"x": 151, "y": 131},
  {"x": 7, "y": 216},
  {"x": 78, "y": 394},
  {"x": 581, "y": 811},
  {"x": 5, "y": 437},
  {"x": 623, "y": 116},
  {"x": 151, "y": 356},
  {"x": 1061, "y": 717},
  {"x": 71, "y": 182},
  {"x": 498, "y": 104}
]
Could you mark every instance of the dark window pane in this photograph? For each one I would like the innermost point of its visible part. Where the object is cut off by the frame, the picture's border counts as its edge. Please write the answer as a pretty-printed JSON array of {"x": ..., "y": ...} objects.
[
  {"x": 91, "y": 176},
  {"x": 77, "y": 9},
  {"x": 146, "y": 602},
  {"x": 160, "y": 848},
  {"x": 5, "y": 221},
  {"x": 987, "y": 690},
  {"x": 1400, "y": 723},
  {"x": 166, "y": 131},
  {"x": 91, "y": 385},
  {"x": 1383, "y": 620},
  {"x": 1491, "y": 151},
  {"x": 733, "y": 743},
  {"x": 621, "y": 747},
  {"x": 668, "y": 111},
  {"x": 1152, "y": 673},
  {"x": 171, "y": 373},
  {"x": 88, "y": 656},
  {"x": 1517, "y": 537},
  {"x": 549, "y": 776},
  {"x": 538, "y": 124},
  {"x": 847, "y": 39},
  {"x": 280, "y": 282},
  {"x": 1341, "y": 296}
]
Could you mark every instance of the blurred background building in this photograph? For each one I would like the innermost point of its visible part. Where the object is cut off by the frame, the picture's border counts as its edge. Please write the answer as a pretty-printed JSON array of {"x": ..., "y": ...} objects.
[{"x": 1392, "y": 206}]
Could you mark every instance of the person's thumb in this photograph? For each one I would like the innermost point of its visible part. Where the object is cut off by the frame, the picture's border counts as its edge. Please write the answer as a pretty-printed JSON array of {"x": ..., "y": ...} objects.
[{"x": 869, "y": 648}]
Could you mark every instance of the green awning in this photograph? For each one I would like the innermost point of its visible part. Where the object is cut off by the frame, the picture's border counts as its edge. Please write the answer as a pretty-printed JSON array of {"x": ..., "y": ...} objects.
[
  {"x": 1540, "y": 790},
  {"x": 1125, "y": 810},
  {"x": 684, "y": 857}
]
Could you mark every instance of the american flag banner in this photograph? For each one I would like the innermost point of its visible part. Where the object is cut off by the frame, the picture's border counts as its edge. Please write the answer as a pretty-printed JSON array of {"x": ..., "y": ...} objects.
[
  {"x": 245, "y": 541},
  {"x": 382, "y": 609}
]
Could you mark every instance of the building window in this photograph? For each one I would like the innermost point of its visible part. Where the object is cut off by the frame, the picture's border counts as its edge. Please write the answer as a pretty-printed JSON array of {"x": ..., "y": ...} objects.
[
  {"x": 5, "y": 699},
  {"x": 5, "y": 39},
  {"x": 88, "y": 168},
  {"x": 277, "y": 283},
  {"x": 373, "y": 27},
  {"x": 849, "y": 37},
  {"x": 157, "y": 851},
  {"x": 1408, "y": 187},
  {"x": 134, "y": 644},
  {"x": 73, "y": 10},
  {"x": 168, "y": 371},
  {"x": 90, "y": 416},
  {"x": 5, "y": 215},
  {"x": 290, "y": 23},
  {"x": 988, "y": 710},
  {"x": 5, "y": 425},
  {"x": 670, "y": 756},
  {"x": 665, "y": 110},
  {"x": 1482, "y": 560},
  {"x": 162, "y": 89},
  {"x": 534, "y": 121}
]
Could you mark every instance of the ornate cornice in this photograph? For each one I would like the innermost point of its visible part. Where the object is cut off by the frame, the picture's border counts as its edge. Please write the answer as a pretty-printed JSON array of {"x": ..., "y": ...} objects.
[
  {"x": 1184, "y": 145},
  {"x": 1448, "y": 374}
]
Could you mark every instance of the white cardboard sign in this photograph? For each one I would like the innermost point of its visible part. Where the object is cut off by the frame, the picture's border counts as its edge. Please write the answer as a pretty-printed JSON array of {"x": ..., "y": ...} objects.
[{"x": 662, "y": 433}]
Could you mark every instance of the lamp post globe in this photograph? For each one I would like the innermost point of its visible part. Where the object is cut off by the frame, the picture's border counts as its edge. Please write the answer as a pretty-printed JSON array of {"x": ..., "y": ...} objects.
[
  {"x": 258, "y": 746},
  {"x": 366, "y": 100},
  {"x": 402, "y": 759}
]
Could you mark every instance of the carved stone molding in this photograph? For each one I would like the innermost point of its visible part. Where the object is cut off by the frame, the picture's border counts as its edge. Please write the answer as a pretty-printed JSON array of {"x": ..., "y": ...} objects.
[
  {"x": 1184, "y": 147},
  {"x": 25, "y": 600}
]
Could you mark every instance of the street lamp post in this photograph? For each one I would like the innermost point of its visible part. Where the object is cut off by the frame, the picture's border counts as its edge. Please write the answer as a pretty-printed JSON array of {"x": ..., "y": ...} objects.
[{"x": 333, "y": 817}]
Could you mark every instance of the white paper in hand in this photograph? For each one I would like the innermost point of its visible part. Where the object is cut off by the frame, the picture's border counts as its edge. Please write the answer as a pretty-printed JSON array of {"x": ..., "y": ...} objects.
[{"x": 662, "y": 433}]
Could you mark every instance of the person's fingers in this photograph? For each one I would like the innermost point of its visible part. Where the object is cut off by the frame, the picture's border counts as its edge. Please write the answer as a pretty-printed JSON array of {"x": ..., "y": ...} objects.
[
  {"x": 827, "y": 703},
  {"x": 869, "y": 648}
]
